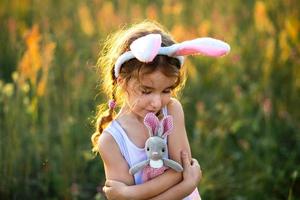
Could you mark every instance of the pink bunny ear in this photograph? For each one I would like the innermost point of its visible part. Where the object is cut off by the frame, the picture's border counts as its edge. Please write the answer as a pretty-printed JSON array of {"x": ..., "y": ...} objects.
[
  {"x": 145, "y": 48},
  {"x": 152, "y": 123},
  {"x": 167, "y": 124},
  {"x": 205, "y": 46}
]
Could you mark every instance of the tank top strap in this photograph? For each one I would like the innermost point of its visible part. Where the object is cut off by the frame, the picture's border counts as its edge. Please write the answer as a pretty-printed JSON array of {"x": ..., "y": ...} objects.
[
  {"x": 165, "y": 111},
  {"x": 117, "y": 133}
]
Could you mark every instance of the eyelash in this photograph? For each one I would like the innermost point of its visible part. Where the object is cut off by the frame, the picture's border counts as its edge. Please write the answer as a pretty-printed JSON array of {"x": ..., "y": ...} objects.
[{"x": 149, "y": 92}]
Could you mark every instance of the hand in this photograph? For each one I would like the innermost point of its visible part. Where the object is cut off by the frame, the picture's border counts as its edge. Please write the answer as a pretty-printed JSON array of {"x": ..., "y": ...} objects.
[
  {"x": 192, "y": 173},
  {"x": 115, "y": 190}
]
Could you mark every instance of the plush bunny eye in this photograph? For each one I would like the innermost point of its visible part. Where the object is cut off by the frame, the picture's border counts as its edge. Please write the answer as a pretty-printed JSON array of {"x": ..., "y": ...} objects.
[
  {"x": 163, "y": 149},
  {"x": 148, "y": 149}
]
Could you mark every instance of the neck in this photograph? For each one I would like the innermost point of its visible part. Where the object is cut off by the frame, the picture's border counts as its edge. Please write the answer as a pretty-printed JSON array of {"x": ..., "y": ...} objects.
[{"x": 126, "y": 111}]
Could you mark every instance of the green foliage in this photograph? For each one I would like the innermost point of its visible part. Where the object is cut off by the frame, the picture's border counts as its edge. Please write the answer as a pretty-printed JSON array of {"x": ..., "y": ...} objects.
[{"x": 242, "y": 111}]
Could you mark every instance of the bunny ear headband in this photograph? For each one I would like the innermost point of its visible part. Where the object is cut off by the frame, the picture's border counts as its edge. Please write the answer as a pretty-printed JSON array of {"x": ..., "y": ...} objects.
[{"x": 147, "y": 47}]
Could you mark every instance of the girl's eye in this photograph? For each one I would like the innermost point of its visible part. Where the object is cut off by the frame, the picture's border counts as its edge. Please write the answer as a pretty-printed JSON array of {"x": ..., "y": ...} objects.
[
  {"x": 146, "y": 91},
  {"x": 167, "y": 91}
]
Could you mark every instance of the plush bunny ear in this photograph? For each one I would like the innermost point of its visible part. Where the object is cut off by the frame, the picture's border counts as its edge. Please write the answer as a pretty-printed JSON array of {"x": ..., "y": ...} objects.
[
  {"x": 167, "y": 125},
  {"x": 152, "y": 123},
  {"x": 205, "y": 46},
  {"x": 145, "y": 48}
]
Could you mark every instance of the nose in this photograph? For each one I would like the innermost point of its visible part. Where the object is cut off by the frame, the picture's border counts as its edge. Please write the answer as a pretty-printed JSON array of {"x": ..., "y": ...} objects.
[
  {"x": 155, "y": 155},
  {"x": 156, "y": 101}
]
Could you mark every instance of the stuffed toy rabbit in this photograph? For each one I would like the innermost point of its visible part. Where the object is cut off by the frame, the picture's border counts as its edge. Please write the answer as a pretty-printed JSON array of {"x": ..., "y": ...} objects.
[{"x": 156, "y": 148}]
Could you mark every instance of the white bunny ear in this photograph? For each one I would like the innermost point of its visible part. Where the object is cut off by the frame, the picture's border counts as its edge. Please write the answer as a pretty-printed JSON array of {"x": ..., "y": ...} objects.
[
  {"x": 205, "y": 46},
  {"x": 152, "y": 123},
  {"x": 167, "y": 124},
  {"x": 145, "y": 48}
]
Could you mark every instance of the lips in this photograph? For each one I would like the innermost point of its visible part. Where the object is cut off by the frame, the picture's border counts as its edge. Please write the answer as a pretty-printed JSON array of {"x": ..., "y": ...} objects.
[{"x": 151, "y": 111}]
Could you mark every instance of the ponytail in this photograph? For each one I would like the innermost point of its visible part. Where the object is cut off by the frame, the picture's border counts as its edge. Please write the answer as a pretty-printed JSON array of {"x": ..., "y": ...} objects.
[{"x": 102, "y": 121}]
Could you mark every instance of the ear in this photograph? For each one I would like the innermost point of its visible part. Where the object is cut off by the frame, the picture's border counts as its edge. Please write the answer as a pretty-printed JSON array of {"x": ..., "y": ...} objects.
[
  {"x": 167, "y": 124},
  {"x": 152, "y": 123},
  {"x": 146, "y": 48},
  {"x": 120, "y": 81},
  {"x": 205, "y": 46}
]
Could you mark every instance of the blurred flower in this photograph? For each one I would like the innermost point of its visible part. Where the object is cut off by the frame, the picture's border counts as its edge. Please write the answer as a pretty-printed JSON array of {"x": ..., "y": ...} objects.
[
  {"x": 152, "y": 12},
  {"x": 172, "y": 7},
  {"x": 48, "y": 52},
  {"x": 237, "y": 91},
  {"x": 86, "y": 22},
  {"x": 295, "y": 174},
  {"x": 26, "y": 101},
  {"x": 285, "y": 49},
  {"x": 270, "y": 46},
  {"x": 292, "y": 26},
  {"x": 267, "y": 66},
  {"x": 31, "y": 60},
  {"x": 267, "y": 106},
  {"x": 262, "y": 21},
  {"x": 107, "y": 12},
  {"x": 41, "y": 88},
  {"x": 236, "y": 58},
  {"x": 25, "y": 88},
  {"x": 8, "y": 89},
  {"x": 74, "y": 189},
  {"x": 136, "y": 11},
  {"x": 12, "y": 29},
  {"x": 179, "y": 32},
  {"x": 200, "y": 107},
  {"x": 15, "y": 76},
  {"x": 244, "y": 144},
  {"x": 204, "y": 28},
  {"x": 36, "y": 60}
]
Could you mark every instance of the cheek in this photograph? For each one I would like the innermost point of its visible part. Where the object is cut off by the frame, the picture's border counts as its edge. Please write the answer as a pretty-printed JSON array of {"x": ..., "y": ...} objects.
[{"x": 166, "y": 99}]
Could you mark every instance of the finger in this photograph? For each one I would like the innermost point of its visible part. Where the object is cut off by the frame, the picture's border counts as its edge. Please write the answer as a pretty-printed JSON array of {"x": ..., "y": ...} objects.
[
  {"x": 104, "y": 189},
  {"x": 109, "y": 183},
  {"x": 185, "y": 159},
  {"x": 107, "y": 191},
  {"x": 194, "y": 162}
]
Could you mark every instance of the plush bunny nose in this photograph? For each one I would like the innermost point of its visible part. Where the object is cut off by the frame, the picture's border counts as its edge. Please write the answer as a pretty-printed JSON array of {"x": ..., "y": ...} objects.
[{"x": 155, "y": 155}]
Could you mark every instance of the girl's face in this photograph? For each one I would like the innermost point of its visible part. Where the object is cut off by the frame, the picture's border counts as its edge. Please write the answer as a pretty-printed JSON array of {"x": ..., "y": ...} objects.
[{"x": 150, "y": 94}]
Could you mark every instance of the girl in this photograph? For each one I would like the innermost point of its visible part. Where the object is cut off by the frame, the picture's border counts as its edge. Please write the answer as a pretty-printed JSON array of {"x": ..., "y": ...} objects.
[{"x": 141, "y": 71}]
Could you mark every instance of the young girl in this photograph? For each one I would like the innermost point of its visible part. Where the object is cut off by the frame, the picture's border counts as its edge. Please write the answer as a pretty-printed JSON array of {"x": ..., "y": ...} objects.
[{"x": 141, "y": 72}]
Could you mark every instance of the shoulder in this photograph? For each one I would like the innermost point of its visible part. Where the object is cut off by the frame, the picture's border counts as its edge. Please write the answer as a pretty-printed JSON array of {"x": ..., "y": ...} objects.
[
  {"x": 106, "y": 144},
  {"x": 115, "y": 165}
]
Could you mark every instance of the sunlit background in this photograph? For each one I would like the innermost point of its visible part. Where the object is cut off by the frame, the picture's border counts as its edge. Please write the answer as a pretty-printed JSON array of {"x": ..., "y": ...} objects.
[{"x": 242, "y": 111}]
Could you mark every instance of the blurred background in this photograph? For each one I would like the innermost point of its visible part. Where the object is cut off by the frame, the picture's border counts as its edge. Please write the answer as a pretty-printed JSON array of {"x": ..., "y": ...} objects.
[{"x": 242, "y": 111}]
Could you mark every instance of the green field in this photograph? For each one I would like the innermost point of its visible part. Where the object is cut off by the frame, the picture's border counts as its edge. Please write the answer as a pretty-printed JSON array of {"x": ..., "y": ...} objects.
[{"x": 242, "y": 111}]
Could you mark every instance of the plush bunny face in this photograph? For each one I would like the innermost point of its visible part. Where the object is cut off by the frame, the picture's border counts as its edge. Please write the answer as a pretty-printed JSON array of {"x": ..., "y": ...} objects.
[{"x": 156, "y": 148}]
